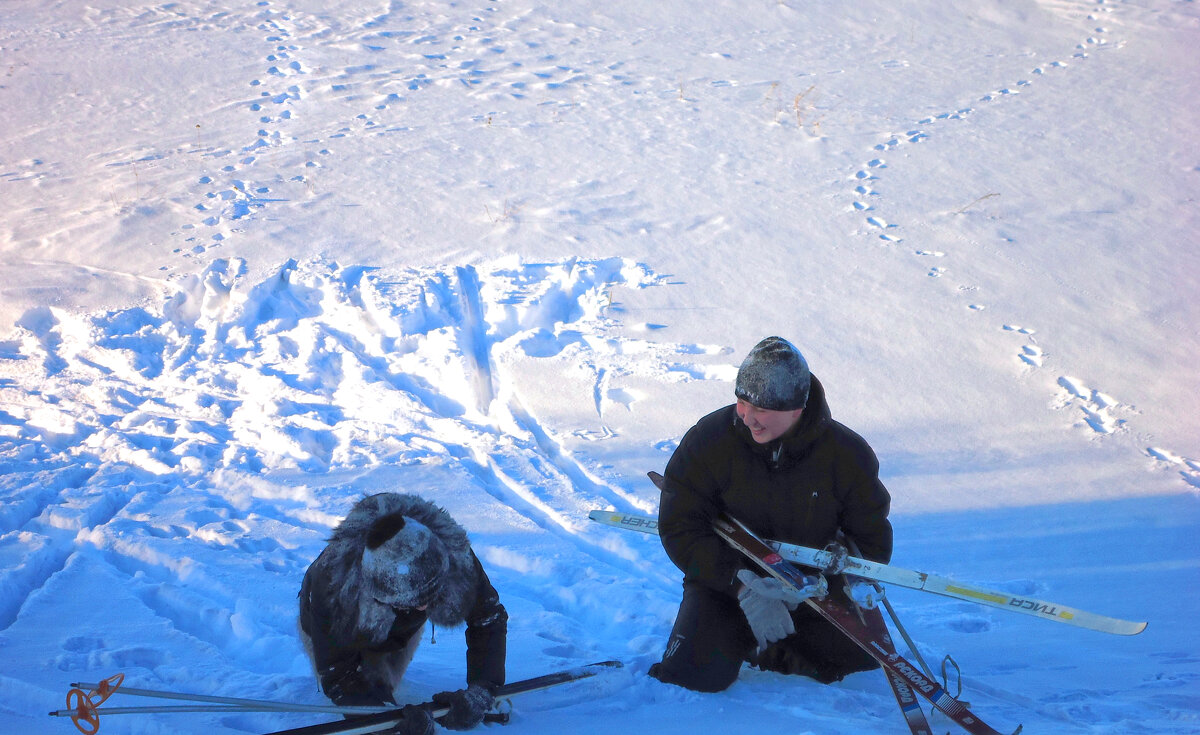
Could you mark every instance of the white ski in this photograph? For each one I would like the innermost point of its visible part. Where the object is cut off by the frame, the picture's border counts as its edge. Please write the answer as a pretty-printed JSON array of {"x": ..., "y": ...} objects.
[{"x": 888, "y": 574}]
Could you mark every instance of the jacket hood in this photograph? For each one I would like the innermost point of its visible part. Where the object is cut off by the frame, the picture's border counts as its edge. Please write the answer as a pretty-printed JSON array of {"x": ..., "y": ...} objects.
[{"x": 363, "y": 598}]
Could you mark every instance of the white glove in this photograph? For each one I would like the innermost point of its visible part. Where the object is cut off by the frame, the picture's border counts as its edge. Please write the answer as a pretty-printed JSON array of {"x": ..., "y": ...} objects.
[
  {"x": 864, "y": 594},
  {"x": 766, "y": 602}
]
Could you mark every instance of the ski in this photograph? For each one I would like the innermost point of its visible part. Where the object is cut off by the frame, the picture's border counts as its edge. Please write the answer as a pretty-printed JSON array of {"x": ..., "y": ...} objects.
[
  {"x": 888, "y": 574},
  {"x": 876, "y": 643},
  {"x": 384, "y": 721},
  {"x": 910, "y": 706},
  {"x": 848, "y": 622}
]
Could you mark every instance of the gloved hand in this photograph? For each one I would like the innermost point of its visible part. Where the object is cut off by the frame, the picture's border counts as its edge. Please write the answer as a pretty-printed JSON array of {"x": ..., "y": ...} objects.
[
  {"x": 766, "y": 602},
  {"x": 467, "y": 707},
  {"x": 348, "y": 685},
  {"x": 417, "y": 721},
  {"x": 865, "y": 594}
]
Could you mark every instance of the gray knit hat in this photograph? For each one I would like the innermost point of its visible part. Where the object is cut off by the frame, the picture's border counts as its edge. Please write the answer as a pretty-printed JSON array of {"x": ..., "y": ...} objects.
[{"x": 774, "y": 376}]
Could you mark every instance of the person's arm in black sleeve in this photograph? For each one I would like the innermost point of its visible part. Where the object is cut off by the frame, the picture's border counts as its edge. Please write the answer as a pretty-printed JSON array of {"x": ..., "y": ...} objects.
[
  {"x": 686, "y": 512},
  {"x": 338, "y": 664},
  {"x": 487, "y": 636},
  {"x": 867, "y": 502}
]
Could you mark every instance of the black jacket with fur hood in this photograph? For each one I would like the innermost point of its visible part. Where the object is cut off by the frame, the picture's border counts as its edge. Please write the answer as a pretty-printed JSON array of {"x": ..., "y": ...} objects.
[
  {"x": 350, "y": 627},
  {"x": 803, "y": 488}
]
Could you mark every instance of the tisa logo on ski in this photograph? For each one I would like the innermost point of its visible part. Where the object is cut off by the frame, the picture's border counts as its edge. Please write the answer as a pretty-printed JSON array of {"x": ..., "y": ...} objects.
[{"x": 1043, "y": 608}]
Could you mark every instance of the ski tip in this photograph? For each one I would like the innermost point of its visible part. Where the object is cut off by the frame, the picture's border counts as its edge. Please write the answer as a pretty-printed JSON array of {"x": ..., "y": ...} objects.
[
  {"x": 657, "y": 479},
  {"x": 1118, "y": 627}
]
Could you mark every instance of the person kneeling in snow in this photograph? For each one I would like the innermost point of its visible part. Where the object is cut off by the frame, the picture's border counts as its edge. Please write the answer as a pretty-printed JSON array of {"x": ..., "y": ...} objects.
[
  {"x": 395, "y": 562},
  {"x": 778, "y": 462}
]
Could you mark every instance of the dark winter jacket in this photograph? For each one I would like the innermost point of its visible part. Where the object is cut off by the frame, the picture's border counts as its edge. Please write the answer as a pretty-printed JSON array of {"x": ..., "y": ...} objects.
[
  {"x": 803, "y": 488},
  {"x": 345, "y": 623}
]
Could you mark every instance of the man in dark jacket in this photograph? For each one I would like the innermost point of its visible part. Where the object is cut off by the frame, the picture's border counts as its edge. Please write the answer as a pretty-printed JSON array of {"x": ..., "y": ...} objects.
[
  {"x": 394, "y": 563},
  {"x": 779, "y": 463}
]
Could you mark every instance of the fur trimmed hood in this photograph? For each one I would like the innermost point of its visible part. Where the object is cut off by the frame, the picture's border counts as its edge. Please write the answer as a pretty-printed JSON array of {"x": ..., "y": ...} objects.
[{"x": 391, "y": 551}]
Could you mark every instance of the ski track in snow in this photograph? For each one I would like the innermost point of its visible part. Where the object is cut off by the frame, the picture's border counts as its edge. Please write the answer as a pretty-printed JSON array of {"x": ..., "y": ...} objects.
[{"x": 1091, "y": 409}]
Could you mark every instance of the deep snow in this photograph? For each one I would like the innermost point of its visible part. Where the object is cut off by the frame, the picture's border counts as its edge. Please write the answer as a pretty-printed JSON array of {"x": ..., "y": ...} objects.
[{"x": 260, "y": 258}]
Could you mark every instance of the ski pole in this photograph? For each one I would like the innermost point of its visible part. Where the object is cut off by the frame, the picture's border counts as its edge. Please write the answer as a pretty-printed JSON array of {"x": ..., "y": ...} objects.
[
  {"x": 260, "y": 704},
  {"x": 170, "y": 709},
  {"x": 887, "y": 605},
  {"x": 201, "y": 707},
  {"x": 83, "y": 707}
]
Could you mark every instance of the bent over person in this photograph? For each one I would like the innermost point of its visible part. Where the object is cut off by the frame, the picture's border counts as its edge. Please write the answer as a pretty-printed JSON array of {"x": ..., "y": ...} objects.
[
  {"x": 394, "y": 563},
  {"x": 778, "y": 462}
]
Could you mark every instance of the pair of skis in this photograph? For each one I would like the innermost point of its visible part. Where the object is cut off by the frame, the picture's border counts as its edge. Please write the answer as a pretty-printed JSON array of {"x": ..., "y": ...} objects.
[
  {"x": 864, "y": 627},
  {"x": 888, "y": 574},
  {"x": 904, "y": 677}
]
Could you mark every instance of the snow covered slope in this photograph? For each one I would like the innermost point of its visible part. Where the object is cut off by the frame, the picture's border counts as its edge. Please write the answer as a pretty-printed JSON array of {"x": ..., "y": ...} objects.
[{"x": 260, "y": 258}]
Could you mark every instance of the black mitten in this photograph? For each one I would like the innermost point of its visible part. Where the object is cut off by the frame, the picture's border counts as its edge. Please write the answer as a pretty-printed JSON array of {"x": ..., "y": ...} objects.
[
  {"x": 417, "y": 721},
  {"x": 347, "y": 685},
  {"x": 467, "y": 707}
]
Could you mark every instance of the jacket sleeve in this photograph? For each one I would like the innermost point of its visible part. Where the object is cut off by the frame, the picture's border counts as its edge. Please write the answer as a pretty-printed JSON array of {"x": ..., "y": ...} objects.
[
  {"x": 687, "y": 507},
  {"x": 487, "y": 634},
  {"x": 338, "y": 664},
  {"x": 864, "y": 515}
]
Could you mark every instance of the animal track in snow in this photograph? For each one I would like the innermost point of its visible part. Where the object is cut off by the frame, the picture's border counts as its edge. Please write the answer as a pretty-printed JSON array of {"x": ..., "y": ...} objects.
[
  {"x": 1031, "y": 354},
  {"x": 1189, "y": 469},
  {"x": 229, "y": 193},
  {"x": 867, "y": 176},
  {"x": 1098, "y": 411},
  {"x": 1098, "y": 408}
]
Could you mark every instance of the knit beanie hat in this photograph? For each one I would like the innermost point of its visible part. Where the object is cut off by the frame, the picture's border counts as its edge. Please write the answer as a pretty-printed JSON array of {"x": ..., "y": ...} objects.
[
  {"x": 403, "y": 561},
  {"x": 774, "y": 376}
]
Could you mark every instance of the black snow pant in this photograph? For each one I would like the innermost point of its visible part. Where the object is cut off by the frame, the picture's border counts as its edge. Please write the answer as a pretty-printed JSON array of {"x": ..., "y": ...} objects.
[{"x": 711, "y": 640}]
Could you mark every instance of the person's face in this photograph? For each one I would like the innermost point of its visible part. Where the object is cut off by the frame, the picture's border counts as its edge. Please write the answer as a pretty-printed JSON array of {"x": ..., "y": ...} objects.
[{"x": 766, "y": 425}]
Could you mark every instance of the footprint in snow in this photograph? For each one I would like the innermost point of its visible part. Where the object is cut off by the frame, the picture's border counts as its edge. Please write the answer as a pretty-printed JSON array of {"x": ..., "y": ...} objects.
[
  {"x": 1097, "y": 407},
  {"x": 968, "y": 623},
  {"x": 1031, "y": 354},
  {"x": 1189, "y": 469}
]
